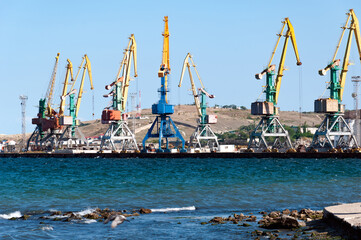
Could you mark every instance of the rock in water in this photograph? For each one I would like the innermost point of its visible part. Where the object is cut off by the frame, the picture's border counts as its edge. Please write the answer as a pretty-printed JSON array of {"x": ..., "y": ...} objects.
[{"x": 145, "y": 211}]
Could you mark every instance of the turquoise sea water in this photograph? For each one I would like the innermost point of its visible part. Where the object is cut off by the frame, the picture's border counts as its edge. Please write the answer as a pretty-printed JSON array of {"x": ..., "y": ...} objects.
[{"x": 197, "y": 189}]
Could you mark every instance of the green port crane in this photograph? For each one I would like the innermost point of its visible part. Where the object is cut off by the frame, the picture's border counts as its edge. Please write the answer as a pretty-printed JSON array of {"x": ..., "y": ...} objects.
[
  {"x": 203, "y": 135},
  {"x": 118, "y": 136},
  {"x": 47, "y": 121},
  {"x": 334, "y": 132},
  {"x": 270, "y": 133},
  {"x": 71, "y": 134}
]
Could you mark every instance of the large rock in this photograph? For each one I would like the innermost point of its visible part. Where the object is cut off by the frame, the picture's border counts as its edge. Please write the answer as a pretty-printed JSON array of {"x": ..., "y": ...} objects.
[
  {"x": 283, "y": 222},
  {"x": 145, "y": 211}
]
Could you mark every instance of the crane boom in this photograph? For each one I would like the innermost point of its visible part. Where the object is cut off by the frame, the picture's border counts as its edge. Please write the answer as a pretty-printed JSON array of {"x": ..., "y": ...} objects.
[
  {"x": 131, "y": 50},
  {"x": 289, "y": 34},
  {"x": 120, "y": 93},
  {"x": 354, "y": 28},
  {"x": 87, "y": 67},
  {"x": 194, "y": 89},
  {"x": 188, "y": 63},
  {"x": 69, "y": 70},
  {"x": 50, "y": 91},
  {"x": 165, "y": 67}
]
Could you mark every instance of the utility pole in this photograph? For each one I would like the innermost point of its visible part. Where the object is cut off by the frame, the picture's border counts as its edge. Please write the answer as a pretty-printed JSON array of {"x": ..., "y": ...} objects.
[
  {"x": 356, "y": 80},
  {"x": 23, "y": 99}
]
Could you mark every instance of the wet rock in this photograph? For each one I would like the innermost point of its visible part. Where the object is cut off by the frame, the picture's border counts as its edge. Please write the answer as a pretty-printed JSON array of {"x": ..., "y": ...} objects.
[
  {"x": 294, "y": 213},
  {"x": 217, "y": 220},
  {"x": 263, "y": 213},
  {"x": 135, "y": 214},
  {"x": 240, "y": 217},
  {"x": 25, "y": 217},
  {"x": 13, "y": 218},
  {"x": 92, "y": 216},
  {"x": 246, "y": 225},
  {"x": 56, "y": 213},
  {"x": 145, "y": 211},
  {"x": 274, "y": 214},
  {"x": 283, "y": 222},
  {"x": 203, "y": 223},
  {"x": 286, "y": 212},
  {"x": 257, "y": 232},
  {"x": 251, "y": 219}
]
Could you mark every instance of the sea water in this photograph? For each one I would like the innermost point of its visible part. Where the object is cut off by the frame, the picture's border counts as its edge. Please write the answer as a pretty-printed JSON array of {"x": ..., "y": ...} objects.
[{"x": 182, "y": 194}]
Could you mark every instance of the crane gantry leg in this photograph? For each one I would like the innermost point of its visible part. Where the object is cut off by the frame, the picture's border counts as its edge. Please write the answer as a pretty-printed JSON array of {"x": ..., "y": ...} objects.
[
  {"x": 334, "y": 132},
  {"x": 269, "y": 133},
  {"x": 119, "y": 137}
]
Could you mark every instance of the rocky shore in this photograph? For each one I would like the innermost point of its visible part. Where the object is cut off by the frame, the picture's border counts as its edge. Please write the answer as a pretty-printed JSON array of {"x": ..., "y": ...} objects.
[{"x": 286, "y": 224}]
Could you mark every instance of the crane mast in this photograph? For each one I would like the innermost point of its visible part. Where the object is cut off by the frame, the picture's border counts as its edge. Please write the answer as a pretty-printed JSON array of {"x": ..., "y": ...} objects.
[
  {"x": 269, "y": 127},
  {"x": 118, "y": 136},
  {"x": 203, "y": 135},
  {"x": 334, "y": 132}
]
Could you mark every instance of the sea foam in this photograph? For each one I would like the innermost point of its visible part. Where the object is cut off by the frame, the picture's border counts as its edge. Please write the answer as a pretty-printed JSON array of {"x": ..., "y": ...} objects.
[
  {"x": 16, "y": 214},
  {"x": 85, "y": 212},
  {"x": 191, "y": 208}
]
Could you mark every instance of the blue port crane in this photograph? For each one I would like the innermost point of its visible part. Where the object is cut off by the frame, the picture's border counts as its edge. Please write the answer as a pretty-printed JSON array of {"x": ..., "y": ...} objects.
[{"x": 163, "y": 125}]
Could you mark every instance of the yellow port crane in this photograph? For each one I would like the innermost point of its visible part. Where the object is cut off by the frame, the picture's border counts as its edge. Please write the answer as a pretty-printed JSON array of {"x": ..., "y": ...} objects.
[
  {"x": 270, "y": 128},
  {"x": 203, "y": 135},
  {"x": 334, "y": 132}
]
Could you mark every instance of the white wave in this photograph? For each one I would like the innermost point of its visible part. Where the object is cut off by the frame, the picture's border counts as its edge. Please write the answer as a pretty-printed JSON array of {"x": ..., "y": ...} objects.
[
  {"x": 88, "y": 221},
  {"x": 85, "y": 212},
  {"x": 191, "y": 208},
  {"x": 16, "y": 214},
  {"x": 47, "y": 228}
]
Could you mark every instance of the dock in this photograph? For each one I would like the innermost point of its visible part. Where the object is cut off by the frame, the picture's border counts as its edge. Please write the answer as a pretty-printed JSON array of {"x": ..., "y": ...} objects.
[
  {"x": 346, "y": 218},
  {"x": 295, "y": 155}
]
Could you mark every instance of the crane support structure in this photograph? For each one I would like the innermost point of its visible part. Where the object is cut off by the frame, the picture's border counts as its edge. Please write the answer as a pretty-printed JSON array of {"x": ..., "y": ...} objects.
[
  {"x": 270, "y": 133},
  {"x": 334, "y": 132},
  {"x": 203, "y": 136},
  {"x": 118, "y": 136},
  {"x": 71, "y": 135},
  {"x": 165, "y": 127},
  {"x": 47, "y": 121}
]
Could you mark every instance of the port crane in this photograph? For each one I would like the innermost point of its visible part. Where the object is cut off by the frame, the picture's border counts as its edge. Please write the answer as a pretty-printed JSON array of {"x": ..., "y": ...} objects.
[
  {"x": 334, "y": 132},
  {"x": 118, "y": 136},
  {"x": 269, "y": 133},
  {"x": 163, "y": 123},
  {"x": 203, "y": 135},
  {"x": 47, "y": 121},
  {"x": 71, "y": 133}
]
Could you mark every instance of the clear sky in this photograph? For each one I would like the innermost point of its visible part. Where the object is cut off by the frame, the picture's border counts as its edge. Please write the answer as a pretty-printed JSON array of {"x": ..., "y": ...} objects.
[{"x": 230, "y": 41}]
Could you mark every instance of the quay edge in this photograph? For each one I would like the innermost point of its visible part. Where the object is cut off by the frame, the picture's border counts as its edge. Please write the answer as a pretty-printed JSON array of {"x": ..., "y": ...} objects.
[{"x": 182, "y": 155}]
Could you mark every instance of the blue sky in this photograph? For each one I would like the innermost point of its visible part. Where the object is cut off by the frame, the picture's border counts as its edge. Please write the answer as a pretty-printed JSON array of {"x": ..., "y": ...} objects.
[{"x": 230, "y": 41}]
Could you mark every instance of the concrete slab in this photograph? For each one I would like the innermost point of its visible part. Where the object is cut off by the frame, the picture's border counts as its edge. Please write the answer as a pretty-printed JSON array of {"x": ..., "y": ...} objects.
[{"x": 345, "y": 217}]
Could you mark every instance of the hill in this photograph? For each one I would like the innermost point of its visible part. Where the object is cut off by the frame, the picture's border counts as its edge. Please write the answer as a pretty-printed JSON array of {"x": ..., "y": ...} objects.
[{"x": 185, "y": 117}]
